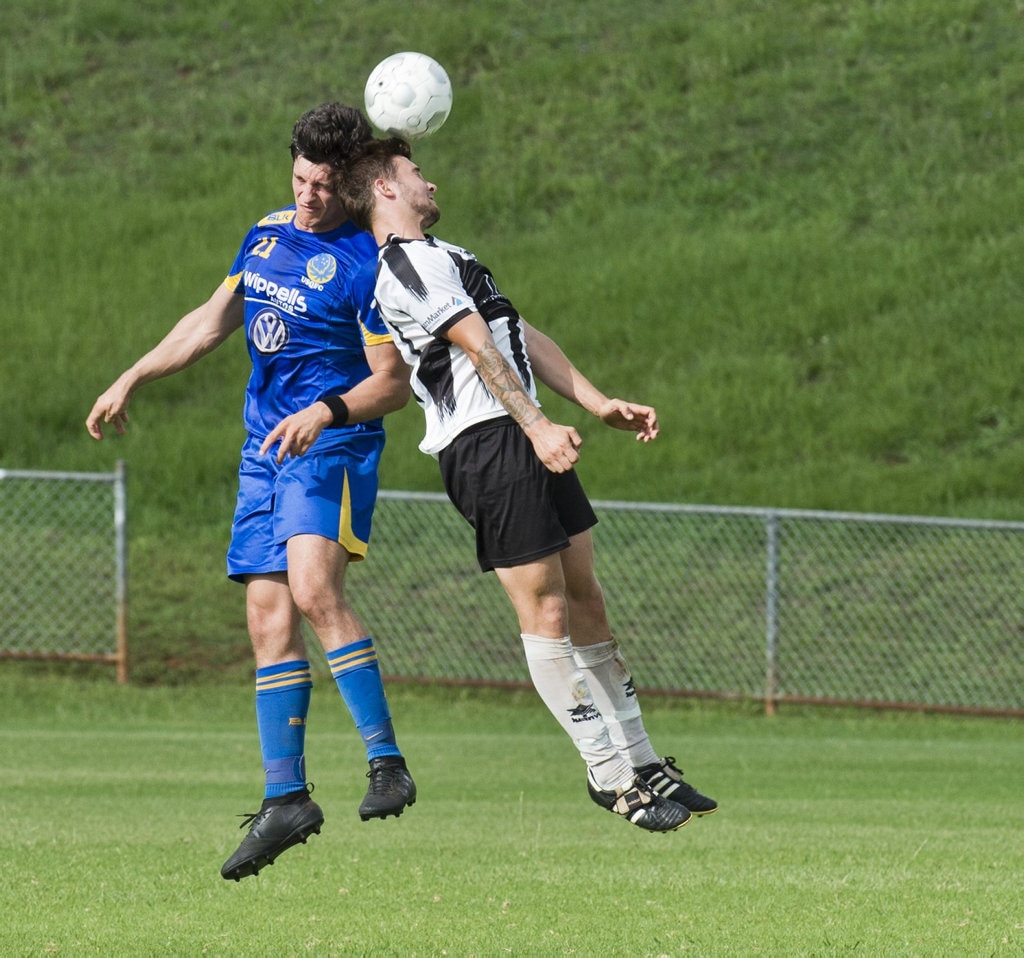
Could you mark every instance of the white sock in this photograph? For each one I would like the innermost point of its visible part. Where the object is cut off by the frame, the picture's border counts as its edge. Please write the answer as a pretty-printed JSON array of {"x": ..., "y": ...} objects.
[
  {"x": 611, "y": 686},
  {"x": 564, "y": 691}
]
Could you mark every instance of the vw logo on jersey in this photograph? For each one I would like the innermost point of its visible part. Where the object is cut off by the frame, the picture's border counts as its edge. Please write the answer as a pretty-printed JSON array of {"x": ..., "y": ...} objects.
[
  {"x": 268, "y": 332},
  {"x": 321, "y": 268}
]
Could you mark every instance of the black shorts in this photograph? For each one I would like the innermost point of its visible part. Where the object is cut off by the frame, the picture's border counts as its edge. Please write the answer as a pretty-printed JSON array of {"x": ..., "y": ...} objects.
[{"x": 521, "y": 511}]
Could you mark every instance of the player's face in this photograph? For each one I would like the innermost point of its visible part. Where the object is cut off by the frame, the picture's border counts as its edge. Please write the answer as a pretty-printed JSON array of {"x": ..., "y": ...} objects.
[
  {"x": 316, "y": 208},
  {"x": 417, "y": 192}
]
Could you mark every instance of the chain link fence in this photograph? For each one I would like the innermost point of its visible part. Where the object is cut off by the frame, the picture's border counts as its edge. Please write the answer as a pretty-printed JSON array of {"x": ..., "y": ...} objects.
[
  {"x": 62, "y": 566},
  {"x": 766, "y": 604}
]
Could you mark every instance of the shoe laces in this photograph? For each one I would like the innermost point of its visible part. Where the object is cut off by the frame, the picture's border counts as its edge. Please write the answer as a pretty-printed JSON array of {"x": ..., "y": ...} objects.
[
  {"x": 249, "y": 818},
  {"x": 383, "y": 777}
]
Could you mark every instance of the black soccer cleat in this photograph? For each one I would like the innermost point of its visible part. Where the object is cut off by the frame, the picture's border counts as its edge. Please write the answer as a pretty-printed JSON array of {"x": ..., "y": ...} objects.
[
  {"x": 642, "y": 806},
  {"x": 273, "y": 829},
  {"x": 664, "y": 778},
  {"x": 391, "y": 788}
]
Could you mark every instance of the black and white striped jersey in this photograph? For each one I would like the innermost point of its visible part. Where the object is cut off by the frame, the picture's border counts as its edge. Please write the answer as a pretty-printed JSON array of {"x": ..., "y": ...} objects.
[{"x": 423, "y": 288}]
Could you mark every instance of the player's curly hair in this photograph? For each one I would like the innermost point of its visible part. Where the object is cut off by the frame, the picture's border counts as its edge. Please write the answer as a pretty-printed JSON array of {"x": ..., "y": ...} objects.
[
  {"x": 353, "y": 182},
  {"x": 329, "y": 133}
]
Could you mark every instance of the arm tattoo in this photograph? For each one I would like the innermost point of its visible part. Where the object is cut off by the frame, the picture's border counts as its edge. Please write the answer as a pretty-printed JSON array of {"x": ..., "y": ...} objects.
[{"x": 501, "y": 379}]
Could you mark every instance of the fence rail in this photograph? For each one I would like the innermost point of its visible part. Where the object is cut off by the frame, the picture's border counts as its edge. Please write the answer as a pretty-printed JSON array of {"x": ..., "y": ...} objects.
[
  {"x": 768, "y": 604},
  {"x": 63, "y": 569},
  {"x": 773, "y": 605}
]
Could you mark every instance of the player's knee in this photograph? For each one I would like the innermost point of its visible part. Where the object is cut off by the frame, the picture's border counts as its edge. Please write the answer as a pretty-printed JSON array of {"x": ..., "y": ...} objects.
[
  {"x": 312, "y": 603},
  {"x": 586, "y": 595},
  {"x": 275, "y": 637},
  {"x": 550, "y": 615}
]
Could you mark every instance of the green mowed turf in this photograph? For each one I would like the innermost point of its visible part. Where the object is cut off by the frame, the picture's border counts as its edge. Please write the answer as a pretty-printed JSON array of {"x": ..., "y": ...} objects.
[{"x": 839, "y": 833}]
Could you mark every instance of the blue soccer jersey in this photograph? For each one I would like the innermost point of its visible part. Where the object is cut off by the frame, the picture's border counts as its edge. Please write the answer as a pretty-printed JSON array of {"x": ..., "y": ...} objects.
[
  {"x": 305, "y": 323},
  {"x": 306, "y": 327}
]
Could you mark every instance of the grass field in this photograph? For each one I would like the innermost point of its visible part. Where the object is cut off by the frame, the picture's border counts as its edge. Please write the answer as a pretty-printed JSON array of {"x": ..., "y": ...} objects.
[
  {"x": 795, "y": 228},
  {"x": 837, "y": 835}
]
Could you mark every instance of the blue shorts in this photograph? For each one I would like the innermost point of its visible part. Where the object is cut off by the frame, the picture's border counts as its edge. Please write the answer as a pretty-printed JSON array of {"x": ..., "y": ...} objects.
[{"x": 329, "y": 494}]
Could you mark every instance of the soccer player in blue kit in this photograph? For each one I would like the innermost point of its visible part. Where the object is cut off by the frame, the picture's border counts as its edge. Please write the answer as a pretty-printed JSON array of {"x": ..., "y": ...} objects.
[
  {"x": 324, "y": 373},
  {"x": 510, "y": 471}
]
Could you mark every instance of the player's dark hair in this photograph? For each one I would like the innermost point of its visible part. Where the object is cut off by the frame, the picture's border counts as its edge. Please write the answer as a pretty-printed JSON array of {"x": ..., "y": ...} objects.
[
  {"x": 353, "y": 183},
  {"x": 329, "y": 133}
]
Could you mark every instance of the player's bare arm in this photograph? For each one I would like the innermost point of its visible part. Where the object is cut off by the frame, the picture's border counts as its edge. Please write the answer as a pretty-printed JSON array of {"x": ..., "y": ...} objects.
[
  {"x": 505, "y": 385},
  {"x": 193, "y": 336},
  {"x": 553, "y": 368},
  {"x": 556, "y": 446},
  {"x": 385, "y": 390}
]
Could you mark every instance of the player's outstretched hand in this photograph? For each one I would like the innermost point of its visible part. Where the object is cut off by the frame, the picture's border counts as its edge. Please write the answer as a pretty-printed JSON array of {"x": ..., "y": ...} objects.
[
  {"x": 642, "y": 420},
  {"x": 111, "y": 407},
  {"x": 298, "y": 431}
]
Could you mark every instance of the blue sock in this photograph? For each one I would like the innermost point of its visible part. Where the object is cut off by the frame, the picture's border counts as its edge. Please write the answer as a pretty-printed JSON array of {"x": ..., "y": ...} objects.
[
  {"x": 357, "y": 673},
  {"x": 282, "y": 705}
]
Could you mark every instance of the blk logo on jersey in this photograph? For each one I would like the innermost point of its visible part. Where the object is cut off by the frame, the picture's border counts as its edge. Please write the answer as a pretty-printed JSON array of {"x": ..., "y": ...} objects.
[
  {"x": 268, "y": 332},
  {"x": 321, "y": 269},
  {"x": 584, "y": 712}
]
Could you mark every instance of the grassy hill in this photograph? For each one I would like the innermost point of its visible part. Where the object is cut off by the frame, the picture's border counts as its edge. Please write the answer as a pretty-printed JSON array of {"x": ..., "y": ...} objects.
[
  {"x": 793, "y": 227},
  {"x": 790, "y": 226}
]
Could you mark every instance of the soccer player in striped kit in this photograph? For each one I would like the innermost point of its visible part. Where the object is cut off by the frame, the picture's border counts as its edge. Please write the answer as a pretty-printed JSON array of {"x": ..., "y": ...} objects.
[
  {"x": 510, "y": 472},
  {"x": 324, "y": 373}
]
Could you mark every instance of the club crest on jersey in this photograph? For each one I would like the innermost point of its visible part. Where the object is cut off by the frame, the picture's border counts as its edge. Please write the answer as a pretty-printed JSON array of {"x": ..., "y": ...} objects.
[
  {"x": 268, "y": 332},
  {"x": 320, "y": 270}
]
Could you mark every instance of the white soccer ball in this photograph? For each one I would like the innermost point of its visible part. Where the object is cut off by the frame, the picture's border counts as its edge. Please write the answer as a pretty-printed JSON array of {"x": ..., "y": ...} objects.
[{"x": 408, "y": 95}]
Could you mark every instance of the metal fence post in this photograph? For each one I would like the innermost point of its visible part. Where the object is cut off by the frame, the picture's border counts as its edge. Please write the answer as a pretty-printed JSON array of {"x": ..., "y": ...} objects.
[
  {"x": 771, "y": 598},
  {"x": 121, "y": 545},
  {"x": 63, "y": 588}
]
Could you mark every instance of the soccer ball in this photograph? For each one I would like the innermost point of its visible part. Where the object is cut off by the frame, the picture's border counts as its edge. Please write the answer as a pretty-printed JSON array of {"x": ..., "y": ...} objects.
[{"x": 408, "y": 95}]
